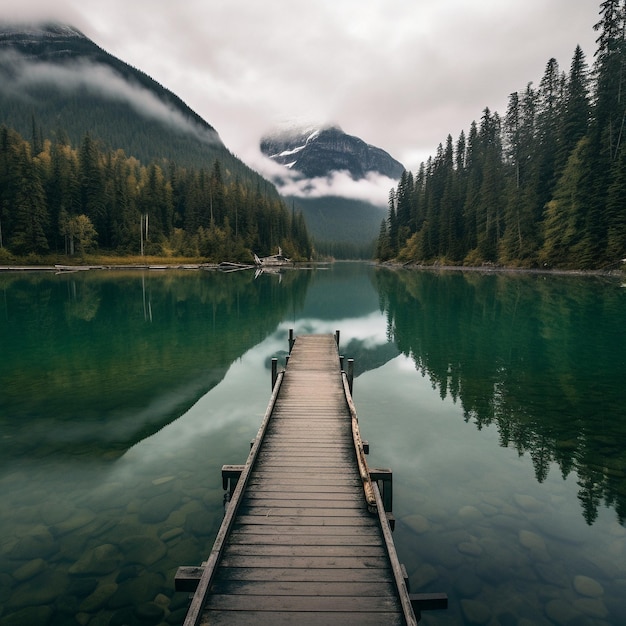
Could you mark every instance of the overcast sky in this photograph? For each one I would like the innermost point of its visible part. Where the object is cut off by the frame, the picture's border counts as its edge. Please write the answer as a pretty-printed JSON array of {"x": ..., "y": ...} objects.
[{"x": 399, "y": 74}]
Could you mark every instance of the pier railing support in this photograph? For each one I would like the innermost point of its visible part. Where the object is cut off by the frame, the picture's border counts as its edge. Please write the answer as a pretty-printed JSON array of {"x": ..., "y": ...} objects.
[
  {"x": 385, "y": 478},
  {"x": 291, "y": 340},
  {"x": 274, "y": 371},
  {"x": 350, "y": 374},
  {"x": 230, "y": 476}
]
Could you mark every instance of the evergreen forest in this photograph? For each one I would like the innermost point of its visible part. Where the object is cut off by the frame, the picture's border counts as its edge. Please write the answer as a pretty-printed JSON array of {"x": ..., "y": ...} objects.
[
  {"x": 56, "y": 198},
  {"x": 544, "y": 186}
]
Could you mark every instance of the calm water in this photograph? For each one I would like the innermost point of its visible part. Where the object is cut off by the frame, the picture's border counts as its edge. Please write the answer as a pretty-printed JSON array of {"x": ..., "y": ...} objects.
[{"x": 497, "y": 400}]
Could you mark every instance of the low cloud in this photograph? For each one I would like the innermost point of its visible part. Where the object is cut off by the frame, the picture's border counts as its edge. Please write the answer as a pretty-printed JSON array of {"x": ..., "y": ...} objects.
[
  {"x": 374, "y": 188},
  {"x": 97, "y": 79}
]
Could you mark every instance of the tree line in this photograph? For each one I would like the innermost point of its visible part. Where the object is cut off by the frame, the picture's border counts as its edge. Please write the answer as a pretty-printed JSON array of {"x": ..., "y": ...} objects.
[
  {"x": 56, "y": 198},
  {"x": 545, "y": 186}
]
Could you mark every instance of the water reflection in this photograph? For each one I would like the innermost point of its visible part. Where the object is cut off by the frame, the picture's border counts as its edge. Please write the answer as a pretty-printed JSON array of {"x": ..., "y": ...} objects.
[
  {"x": 93, "y": 362},
  {"x": 471, "y": 388},
  {"x": 541, "y": 358}
]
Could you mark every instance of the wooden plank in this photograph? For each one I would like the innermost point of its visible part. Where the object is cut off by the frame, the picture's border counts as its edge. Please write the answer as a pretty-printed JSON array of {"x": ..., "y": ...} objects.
[
  {"x": 309, "y": 550},
  {"x": 339, "y": 604},
  {"x": 314, "y": 487},
  {"x": 321, "y": 474},
  {"x": 294, "y": 520},
  {"x": 294, "y": 574},
  {"x": 276, "y": 618},
  {"x": 277, "y": 462},
  {"x": 272, "y": 481},
  {"x": 327, "y": 453},
  {"x": 342, "y": 533},
  {"x": 303, "y": 498},
  {"x": 301, "y": 539},
  {"x": 302, "y": 512},
  {"x": 304, "y": 588},
  {"x": 307, "y": 562}
]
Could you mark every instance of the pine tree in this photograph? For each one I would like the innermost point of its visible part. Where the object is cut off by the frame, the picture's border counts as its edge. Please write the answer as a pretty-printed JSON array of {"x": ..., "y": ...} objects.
[
  {"x": 564, "y": 215},
  {"x": 31, "y": 214},
  {"x": 576, "y": 109},
  {"x": 92, "y": 190},
  {"x": 489, "y": 219},
  {"x": 548, "y": 115},
  {"x": 616, "y": 211}
]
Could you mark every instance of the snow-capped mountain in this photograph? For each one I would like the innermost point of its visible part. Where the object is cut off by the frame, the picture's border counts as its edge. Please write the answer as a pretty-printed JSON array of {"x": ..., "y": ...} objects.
[
  {"x": 340, "y": 182},
  {"x": 318, "y": 151}
]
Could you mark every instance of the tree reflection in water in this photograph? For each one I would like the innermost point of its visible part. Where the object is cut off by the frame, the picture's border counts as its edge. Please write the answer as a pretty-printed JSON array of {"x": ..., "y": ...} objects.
[{"x": 541, "y": 357}]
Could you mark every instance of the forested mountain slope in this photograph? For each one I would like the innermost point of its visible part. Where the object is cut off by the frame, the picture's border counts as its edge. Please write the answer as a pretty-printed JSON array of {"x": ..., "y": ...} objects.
[
  {"x": 544, "y": 186},
  {"x": 57, "y": 83},
  {"x": 95, "y": 154}
]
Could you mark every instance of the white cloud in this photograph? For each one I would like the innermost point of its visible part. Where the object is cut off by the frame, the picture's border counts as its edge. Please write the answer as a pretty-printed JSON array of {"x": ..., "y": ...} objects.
[{"x": 374, "y": 188}]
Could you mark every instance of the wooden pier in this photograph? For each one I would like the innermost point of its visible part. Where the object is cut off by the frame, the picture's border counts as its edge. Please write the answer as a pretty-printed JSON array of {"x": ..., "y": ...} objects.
[{"x": 305, "y": 538}]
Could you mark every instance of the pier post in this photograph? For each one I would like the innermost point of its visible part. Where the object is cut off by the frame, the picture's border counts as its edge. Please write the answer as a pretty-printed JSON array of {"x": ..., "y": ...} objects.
[
  {"x": 350, "y": 374},
  {"x": 274, "y": 371},
  {"x": 341, "y": 362},
  {"x": 337, "y": 337},
  {"x": 291, "y": 340}
]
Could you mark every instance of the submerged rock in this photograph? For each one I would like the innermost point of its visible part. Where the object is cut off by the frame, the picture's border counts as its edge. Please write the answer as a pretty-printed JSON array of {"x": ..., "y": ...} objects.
[
  {"x": 171, "y": 534},
  {"x": 158, "y": 509},
  {"x": 35, "y": 546},
  {"x": 76, "y": 521},
  {"x": 30, "y": 569},
  {"x": 471, "y": 548},
  {"x": 531, "y": 540},
  {"x": 475, "y": 612},
  {"x": 98, "y": 598},
  {"x": 136, "y": 591},
  {"x": 589, "y": 587},
  {"x": 142, "y": 549},
  {"x": 593, "y": 607},
  {"x": 39, "y": 615},
  {"x": 560, "y": 612},
  {"x": 44, "y": 589},
  {"x": 467, "y": 584},
  {"x": 101, "y": 560},
  {"x": 201, "y": 523},
  {"x": 423, "y": 575},
  {"x": 417, "y": 523},
  {"x": 470, "y": 513},
  {"x": 149, "y": 613}
]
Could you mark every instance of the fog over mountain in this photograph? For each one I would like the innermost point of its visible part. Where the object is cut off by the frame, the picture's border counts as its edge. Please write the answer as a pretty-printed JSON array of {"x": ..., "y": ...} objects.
[
  {"x": 56, "y": 79},
  {"x": 317, "y": 161},
  {"x": 340, "y": 182}
]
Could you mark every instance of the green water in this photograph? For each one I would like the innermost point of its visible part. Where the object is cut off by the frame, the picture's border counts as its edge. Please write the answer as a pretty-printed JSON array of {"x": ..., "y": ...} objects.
[{"x": 496, "y": 399}]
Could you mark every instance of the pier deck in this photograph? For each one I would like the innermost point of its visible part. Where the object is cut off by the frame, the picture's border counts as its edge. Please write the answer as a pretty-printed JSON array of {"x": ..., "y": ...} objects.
[{"x": 305, "y": 539}]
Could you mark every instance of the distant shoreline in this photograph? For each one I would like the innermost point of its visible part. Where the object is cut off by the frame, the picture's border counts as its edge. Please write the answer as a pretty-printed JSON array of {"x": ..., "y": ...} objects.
[
  {"x": 482, "y": 269},
  {"x": 492, "y": 269}
]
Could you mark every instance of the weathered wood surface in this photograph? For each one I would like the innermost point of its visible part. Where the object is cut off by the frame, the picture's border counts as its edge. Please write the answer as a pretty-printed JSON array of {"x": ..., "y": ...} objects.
[{"x": 301, "y": 547}]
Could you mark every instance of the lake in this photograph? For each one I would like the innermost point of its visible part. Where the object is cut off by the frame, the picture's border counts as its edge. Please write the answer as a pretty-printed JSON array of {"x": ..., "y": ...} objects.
[{"x": 497, "y": 399}]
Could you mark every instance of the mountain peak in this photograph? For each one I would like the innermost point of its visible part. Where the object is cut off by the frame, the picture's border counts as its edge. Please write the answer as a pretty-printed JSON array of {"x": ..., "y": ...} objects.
[
  {"x": 28, "y": 31},
  {"x": 319, "y": 150}
]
